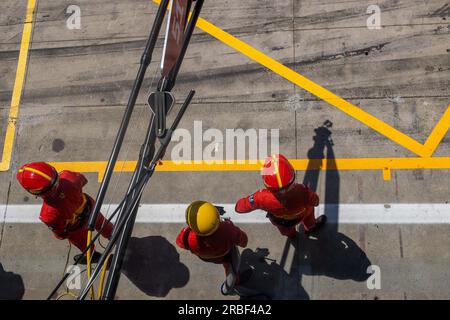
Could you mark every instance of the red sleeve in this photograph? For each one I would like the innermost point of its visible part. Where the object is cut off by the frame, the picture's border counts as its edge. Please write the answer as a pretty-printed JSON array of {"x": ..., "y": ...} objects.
[
  {"x": 81, "y": 179},
  {"x": 243, "y": 239},
  {"x": 312, "y": 197},
  {"x": 238, "y": 236},
  {"x": 180, "y": 241},
  {"x": 54, "y": 223},
  {"x": 75, "y": 178},
  {"x": 249, "y": 203}
]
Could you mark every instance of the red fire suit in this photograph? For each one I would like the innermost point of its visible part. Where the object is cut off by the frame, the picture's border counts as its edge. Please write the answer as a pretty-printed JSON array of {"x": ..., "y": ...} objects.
[
  {"x": 284, "y": 210},
  {"x": 67, "y": 210},
  {"x": 214, "y": 248}
]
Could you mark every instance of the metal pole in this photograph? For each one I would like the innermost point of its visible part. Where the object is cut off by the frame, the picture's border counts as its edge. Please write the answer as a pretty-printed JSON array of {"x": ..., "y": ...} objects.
[
  {"x": 145, "y": 62},
  {"x": 119, "y": 207},
  {"x": 111, "y": 243},
  {"x": 116, "y": 264},
  {"x": 188, "y": 35},
  {"x": 117, "y": 260},
  {"x": 87, "y": 249},
  {"x": 146, "y": 154}
]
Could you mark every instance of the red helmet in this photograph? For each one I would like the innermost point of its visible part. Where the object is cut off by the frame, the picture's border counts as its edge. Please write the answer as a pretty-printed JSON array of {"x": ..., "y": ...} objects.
[
  {"x": 37, "y": 178},
  {"x": 277, "y": 172}
]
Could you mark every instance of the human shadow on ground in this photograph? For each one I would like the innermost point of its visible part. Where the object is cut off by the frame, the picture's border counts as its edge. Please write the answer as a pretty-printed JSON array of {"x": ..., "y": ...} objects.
[
  {"x": 11, "y": 285},
  {"x": 153, "y": 265},
  {"x": 326, "y": 252},
  {"x": 269, "y": 280},
  {"x": 319, "y": 155},
  {"x": 329, "y": 253}
]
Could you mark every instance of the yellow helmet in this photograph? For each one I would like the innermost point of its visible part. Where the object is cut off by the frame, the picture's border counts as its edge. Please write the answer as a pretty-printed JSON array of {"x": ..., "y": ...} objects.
[{"x": 202, "y": 217}]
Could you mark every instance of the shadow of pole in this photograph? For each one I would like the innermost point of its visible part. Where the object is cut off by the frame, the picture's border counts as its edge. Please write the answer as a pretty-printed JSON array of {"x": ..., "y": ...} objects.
[{"x": 153, "y": 265}]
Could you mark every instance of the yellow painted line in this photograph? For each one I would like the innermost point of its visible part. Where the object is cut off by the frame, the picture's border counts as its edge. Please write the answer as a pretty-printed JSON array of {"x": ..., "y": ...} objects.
[
  {"x": 320, "y": 92},
  {"x": 317, "y": 90},
  {"x": 387, "y": 174},
  {"x": 383, "y": 164},
  {"x": 98, "y": 167},
  {"x": 18, "y": 87},
  {"x": 438, "y": 133}
]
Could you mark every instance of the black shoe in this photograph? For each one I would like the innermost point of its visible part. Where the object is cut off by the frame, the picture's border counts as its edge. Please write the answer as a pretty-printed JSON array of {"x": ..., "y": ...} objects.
[
  {"x": 83, "y": 260},
  {"x": 320, "y": 221}
]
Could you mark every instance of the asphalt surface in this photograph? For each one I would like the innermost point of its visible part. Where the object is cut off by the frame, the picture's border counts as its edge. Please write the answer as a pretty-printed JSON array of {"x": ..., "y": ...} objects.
[{"x": 77, "y": 84}]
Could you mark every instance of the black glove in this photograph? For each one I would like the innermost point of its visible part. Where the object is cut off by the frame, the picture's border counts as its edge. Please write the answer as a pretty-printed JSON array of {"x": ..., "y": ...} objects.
[{"x": 221, "y": 210}]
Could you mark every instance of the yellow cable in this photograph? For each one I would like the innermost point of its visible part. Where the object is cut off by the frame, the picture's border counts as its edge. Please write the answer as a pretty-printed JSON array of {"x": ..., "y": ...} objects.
[
  {"x": 102, "y": 278},
  {"x": 67, "y": 292},
  {"x": 89, "y": 255}
]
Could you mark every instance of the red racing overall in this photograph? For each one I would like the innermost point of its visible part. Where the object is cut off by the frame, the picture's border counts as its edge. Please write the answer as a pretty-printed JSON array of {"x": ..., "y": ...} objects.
[
  {"x": 284, "y": 209},
  {"x": 214, "y": 248},
  {"x": 66, "y": 212}
]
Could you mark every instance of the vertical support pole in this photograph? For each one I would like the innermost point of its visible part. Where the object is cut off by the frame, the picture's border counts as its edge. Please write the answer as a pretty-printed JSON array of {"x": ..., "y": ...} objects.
[{"x": 145, "y": 62}]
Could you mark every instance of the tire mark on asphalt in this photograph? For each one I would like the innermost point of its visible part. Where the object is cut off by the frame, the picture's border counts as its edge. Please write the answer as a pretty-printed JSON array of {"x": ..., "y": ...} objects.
[{"x": 400, "y": 239}]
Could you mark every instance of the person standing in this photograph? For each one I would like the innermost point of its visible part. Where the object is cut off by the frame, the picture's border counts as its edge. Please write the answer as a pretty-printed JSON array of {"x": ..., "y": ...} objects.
[
  {"x": 65, "y": 209},
  {"x": 209, "y": 237},
  {"x": 286, "y": 202}
]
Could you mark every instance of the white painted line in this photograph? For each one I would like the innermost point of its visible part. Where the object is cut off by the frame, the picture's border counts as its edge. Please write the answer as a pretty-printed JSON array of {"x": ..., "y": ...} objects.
[{"x": 347, "y": 213}]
